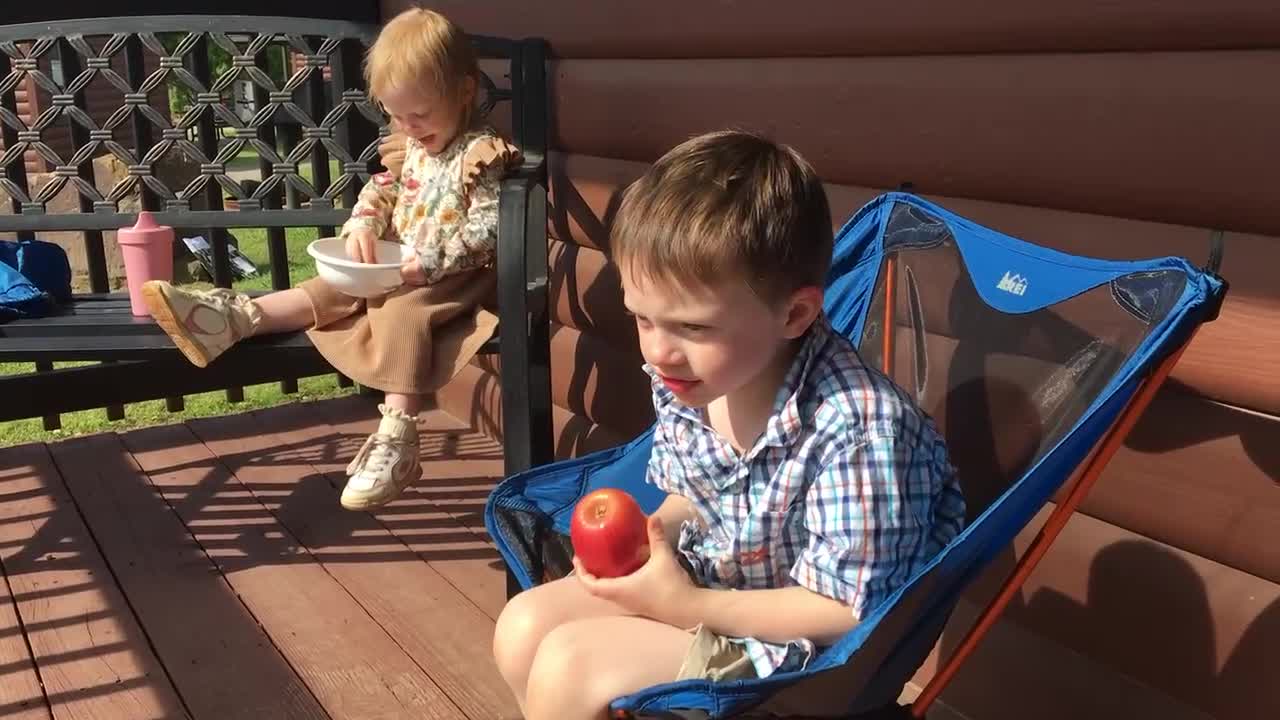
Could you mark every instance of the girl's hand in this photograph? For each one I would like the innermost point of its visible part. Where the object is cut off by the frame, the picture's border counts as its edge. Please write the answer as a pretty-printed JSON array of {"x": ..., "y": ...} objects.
[
  {"x": 362, "y": 246},
  {"x": 660, "y": 589},
  {"x": 411, "y": 272},
  {"x": 391, "y": 152}
]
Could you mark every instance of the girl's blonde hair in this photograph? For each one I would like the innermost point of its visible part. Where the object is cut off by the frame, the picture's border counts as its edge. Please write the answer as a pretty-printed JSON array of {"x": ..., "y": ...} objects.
[{"x": 420, "y": 48}]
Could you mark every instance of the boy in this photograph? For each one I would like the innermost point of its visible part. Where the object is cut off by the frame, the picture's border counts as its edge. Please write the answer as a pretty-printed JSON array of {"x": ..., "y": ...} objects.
[{"x": 803, "y": 486}]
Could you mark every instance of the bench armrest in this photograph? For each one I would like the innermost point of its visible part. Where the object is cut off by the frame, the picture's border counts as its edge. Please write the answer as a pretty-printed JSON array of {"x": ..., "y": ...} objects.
[{"x": 523, "y": 317}]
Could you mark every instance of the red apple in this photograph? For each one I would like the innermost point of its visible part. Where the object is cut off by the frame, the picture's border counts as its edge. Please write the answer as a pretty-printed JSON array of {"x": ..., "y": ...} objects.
[{"x": 609, "y": 533}]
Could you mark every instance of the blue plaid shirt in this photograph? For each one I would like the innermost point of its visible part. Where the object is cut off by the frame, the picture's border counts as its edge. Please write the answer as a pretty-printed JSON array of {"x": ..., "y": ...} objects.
[{"x": 848, "y": 491}]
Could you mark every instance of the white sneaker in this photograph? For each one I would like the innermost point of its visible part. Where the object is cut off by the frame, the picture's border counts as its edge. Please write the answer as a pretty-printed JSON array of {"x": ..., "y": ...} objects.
[{"x": 386, "y": 464}]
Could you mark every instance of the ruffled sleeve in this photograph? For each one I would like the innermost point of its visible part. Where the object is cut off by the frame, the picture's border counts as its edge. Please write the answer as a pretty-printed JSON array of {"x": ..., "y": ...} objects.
[
  {"x": 468, "y": 237},
  {"x": 485, "y": 155},
  {"x": 374, "y": 206},
  {"x": 377, "y": 200}
]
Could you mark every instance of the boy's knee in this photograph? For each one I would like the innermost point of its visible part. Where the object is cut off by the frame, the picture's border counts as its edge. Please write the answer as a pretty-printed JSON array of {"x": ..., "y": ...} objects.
[
  {"x": 556, "y": 675},
  {"x": 562, "y": 647},
  {"x": 517, "y": 633}
]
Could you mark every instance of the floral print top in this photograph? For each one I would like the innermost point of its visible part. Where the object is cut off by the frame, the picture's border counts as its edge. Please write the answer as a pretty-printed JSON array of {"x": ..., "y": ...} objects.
[{"x": 445, "y": 205}]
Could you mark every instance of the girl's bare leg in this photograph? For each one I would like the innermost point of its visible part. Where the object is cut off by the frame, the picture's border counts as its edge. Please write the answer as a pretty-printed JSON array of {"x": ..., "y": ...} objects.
[
  {"x": 284, "y": 311},
  {"x": 410, "y": 405}
]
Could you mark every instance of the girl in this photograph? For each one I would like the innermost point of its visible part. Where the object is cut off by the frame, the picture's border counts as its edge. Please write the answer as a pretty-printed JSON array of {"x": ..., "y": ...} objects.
[{"x": 442, "y": 199}]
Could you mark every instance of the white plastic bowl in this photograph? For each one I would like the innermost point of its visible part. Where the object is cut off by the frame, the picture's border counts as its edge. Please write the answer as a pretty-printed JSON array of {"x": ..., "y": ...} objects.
[{"x": 354, "y": 278}]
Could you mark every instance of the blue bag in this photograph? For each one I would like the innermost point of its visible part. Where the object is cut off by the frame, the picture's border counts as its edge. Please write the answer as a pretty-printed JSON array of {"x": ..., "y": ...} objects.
[{"x": 34, "y": 277}]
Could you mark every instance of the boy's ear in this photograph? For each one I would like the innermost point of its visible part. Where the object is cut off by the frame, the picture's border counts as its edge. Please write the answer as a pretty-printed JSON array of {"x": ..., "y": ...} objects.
[{"x": 802, "y": 310}]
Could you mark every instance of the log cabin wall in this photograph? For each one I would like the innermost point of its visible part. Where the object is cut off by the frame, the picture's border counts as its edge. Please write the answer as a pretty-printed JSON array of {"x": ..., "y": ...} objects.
[{"x": 1119, "y": 129}]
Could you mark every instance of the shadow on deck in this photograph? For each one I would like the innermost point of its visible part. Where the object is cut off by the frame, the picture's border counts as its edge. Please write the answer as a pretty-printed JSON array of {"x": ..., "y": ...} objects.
[{"x": 206, "y": 570}]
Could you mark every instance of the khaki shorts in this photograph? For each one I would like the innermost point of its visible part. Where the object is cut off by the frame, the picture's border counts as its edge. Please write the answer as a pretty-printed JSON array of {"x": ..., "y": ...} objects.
[{"x": 714, "y": 657}]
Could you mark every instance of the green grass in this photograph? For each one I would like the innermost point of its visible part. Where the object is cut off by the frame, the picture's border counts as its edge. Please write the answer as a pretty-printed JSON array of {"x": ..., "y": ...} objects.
[
  {"x": 253, "y": 243},
  {"x": 153, "y": 412}
]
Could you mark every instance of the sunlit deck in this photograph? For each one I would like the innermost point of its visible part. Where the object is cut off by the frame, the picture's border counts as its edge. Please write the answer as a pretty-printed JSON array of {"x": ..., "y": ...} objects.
[{"x": 206, "y": 570}]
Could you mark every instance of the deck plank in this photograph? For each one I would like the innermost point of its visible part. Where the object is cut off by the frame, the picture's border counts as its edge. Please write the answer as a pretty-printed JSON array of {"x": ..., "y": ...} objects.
[
  {"x": 21, "y": 697},
  {"x": 220, "y": 660},
  {"x": 448, "y": 636},
  {"x": 442, "y": 516},
  {"x": 91, "y": 655},
  {"x": 350, "y": 663}
]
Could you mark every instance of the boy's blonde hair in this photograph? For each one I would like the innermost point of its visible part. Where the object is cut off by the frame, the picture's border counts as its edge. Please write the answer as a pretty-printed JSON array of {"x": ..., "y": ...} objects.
[
  {"x": 726, "y": 204},
  {"x": 422, "y": 48}
]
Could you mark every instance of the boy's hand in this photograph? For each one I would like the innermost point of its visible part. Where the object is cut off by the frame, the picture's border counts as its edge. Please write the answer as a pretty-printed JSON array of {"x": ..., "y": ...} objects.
[
  {"x": 411, "y": 272},
  {"x": 660, "y": 589},
  {"x": 391, "y": 152},
  {"x": 361, "y": 246}
]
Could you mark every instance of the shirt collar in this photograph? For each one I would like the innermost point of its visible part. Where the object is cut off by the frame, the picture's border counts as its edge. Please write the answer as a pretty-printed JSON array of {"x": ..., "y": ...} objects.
[{"x": 785, "y": 422}]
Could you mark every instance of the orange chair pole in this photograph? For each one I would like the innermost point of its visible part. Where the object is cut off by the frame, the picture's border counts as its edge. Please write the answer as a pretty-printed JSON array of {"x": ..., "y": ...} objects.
[
  {"x": 886, "y": 358},
  {"x": 1053, "y": 526}
]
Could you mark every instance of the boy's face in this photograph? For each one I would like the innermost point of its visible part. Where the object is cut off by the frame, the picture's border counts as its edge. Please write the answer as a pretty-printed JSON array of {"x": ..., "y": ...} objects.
[
  {"x": 712, "y": 341},
  {"x": 427, "y": 117}
]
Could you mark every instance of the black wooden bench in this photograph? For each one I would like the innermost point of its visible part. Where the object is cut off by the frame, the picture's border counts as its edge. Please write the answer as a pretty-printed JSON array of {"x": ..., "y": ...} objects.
[{"x": 294, "y": 127}]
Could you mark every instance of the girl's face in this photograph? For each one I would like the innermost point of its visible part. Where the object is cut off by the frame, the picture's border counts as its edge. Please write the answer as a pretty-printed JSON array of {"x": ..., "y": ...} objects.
[{"x": 428, "y": 117}]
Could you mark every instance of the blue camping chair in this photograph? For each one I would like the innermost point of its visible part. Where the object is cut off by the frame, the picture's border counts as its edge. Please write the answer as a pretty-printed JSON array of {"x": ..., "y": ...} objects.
[{"x": 1034, "y": 363}]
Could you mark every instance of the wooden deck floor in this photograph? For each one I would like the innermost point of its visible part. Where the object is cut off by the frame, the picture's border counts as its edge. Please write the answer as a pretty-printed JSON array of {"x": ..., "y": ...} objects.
[{"x": 206, "y": 570}]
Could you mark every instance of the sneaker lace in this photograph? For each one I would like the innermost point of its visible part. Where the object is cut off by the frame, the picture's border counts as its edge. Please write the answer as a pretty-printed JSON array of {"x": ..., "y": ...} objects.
[
  {"x": 378, "y": 451},
  {"x": 218, "y": 297}
]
